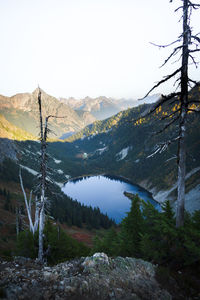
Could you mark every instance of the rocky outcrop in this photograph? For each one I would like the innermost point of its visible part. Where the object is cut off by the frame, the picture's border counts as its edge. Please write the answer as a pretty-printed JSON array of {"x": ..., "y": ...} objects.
[{"x": 96, "y": 277}]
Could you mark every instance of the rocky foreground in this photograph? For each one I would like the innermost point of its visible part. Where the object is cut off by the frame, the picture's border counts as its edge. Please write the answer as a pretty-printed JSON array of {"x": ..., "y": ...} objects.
[{"x": 96, "y": 277}]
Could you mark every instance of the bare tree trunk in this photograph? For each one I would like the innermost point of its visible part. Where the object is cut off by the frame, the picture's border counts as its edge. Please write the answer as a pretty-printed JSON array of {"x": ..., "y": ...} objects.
[
  {"x": 17, "y": 221},
  {"x": 27, "y": 204},
  {"x": 37, "y": 210},
  {"x": 33, "y": 226},
  {"x": 43, "y": 177},
  {"x": 183, "y": 115},
  {"x": 181, "y": 180},
  {"x": 189, "y": 44},
  {"x": 41, "y": 230},
  {"x": 42, "y": 183}
]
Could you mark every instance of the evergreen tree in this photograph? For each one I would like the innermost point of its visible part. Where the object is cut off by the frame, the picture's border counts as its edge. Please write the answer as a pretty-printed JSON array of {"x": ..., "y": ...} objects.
[
  {"x": 168, "y": 211},
  {"x": 58, "y": 246},
  {"x": 108, "y": 244},
  {"x": 151, "y": 237},
  {"x": 132, "y": 228},
  {"x": 26, "y": 244}
]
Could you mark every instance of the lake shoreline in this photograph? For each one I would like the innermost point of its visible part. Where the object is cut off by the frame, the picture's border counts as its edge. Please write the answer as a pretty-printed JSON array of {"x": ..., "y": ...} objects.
[{"x": 115, "y": 177}]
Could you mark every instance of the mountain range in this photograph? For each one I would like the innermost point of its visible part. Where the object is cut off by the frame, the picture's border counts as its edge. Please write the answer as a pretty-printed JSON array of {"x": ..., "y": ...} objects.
[
  {"x": 73, "y": 115},
  {"x": 118, "y": 145},
  {"x": 22, "y": 111},
  {"x": 102, "y": 107}
]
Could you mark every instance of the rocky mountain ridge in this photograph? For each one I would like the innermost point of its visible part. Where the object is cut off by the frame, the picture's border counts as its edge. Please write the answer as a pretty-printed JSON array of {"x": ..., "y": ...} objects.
[
  {"x": 120, "y": 146},
  {"x": 22, "y": 111},
  {"x": 103, "y": 107}
]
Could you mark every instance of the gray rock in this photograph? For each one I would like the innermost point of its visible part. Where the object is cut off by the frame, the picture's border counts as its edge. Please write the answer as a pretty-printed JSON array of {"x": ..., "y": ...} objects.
[{"x": 96, "y": 277}]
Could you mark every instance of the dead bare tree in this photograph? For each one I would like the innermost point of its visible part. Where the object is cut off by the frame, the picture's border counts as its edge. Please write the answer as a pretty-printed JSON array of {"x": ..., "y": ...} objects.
[
  {"x": 187, "y": 45},
  {"x": 33, "y": 225},
  {"x": 43, "y": 180},
  {"x": 41, "y": 202},
  {"x": 43, "y": 176}
]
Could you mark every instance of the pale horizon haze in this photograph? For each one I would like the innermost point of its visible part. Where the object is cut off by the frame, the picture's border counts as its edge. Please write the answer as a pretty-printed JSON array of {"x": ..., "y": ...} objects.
[{"x": 79, "y": 48}]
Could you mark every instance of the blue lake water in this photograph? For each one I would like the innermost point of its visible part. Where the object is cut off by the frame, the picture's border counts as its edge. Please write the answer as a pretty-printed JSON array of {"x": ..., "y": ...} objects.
[{"x": 107, "y": 193}]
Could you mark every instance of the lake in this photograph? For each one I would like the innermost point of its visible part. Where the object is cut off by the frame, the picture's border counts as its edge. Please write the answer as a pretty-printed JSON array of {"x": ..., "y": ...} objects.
[{"x": 107, "y": 193}]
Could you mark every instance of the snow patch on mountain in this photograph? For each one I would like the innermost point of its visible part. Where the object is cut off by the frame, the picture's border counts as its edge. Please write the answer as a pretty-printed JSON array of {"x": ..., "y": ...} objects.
[
  {"x": 108, "y": 130},
  {"x": 29, "y": 170},
  {"x": 57, "y": 161},
  {"x": 101, "y": 150},
  {"x": 192, "y": 199},
  {"x": 92, "y": 135},
  {"x": 59, "y": 184},
  {"x": 60, "y": 171},
  {"x": 123, "y": 153}
]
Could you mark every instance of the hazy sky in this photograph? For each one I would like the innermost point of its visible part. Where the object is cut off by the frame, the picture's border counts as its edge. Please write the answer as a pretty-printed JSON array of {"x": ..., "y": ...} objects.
[{"x": 87, "y": 47}]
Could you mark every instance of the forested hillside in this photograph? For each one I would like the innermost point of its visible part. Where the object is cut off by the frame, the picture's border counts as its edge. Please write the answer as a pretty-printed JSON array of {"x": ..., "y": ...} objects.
[{"x": 123, "y": 145}]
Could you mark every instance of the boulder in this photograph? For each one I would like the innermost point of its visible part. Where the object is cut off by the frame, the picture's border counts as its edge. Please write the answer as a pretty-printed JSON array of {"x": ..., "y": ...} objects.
[{"x": 95, "y": 277}]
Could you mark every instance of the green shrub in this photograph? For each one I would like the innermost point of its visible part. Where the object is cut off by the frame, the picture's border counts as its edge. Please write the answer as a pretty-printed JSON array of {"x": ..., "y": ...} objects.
[{"x": 58, "y": 246}]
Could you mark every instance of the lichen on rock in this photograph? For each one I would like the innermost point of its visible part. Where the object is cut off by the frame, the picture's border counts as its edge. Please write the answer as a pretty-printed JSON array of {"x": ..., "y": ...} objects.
[{"x": 95, "y": 277}]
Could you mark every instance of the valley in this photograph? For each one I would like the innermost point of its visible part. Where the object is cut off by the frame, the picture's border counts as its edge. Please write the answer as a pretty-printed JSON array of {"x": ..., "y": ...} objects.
[
  {"x": 100, "y": 168},
  {"x": 122, "y": 146},
  {"x": 118, "y": 145}
]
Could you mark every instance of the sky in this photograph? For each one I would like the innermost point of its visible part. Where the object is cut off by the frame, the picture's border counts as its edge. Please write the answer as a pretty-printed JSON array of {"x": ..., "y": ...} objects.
[{"x": 79, "y": 48}]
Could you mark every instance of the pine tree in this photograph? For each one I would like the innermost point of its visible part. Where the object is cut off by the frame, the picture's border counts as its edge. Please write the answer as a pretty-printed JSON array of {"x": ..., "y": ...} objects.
[{"x": 131, "y": 230}]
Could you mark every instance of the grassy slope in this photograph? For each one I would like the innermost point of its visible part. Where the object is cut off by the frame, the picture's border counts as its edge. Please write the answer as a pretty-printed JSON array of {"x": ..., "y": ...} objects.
[
  {"x": 10, "y": 131},
  {"x": 8, "y": 219}
]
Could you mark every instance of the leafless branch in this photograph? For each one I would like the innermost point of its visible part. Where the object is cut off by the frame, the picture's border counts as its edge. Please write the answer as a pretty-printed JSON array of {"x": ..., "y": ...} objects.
[
  {"x": 154, "y": 106},
  {"x": 194, "y": 50},
  {"x": 165, "y": 46},
  {"x": 176, "y": 50},
  {"x": 195, "y": 37},
  {"x": 162, "y": 81},
  {"x": 194, "y": 61},
  {"x": 193, "y": 81},
  {"x": 177, "y": 9},
  {"x": 178, "y": 59},
  {"x": 57, "y": 117},
  {"x": 194, "y": 5},
  {"x": 166, "y": 126},
  {"x": 173, "y": 157}
]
